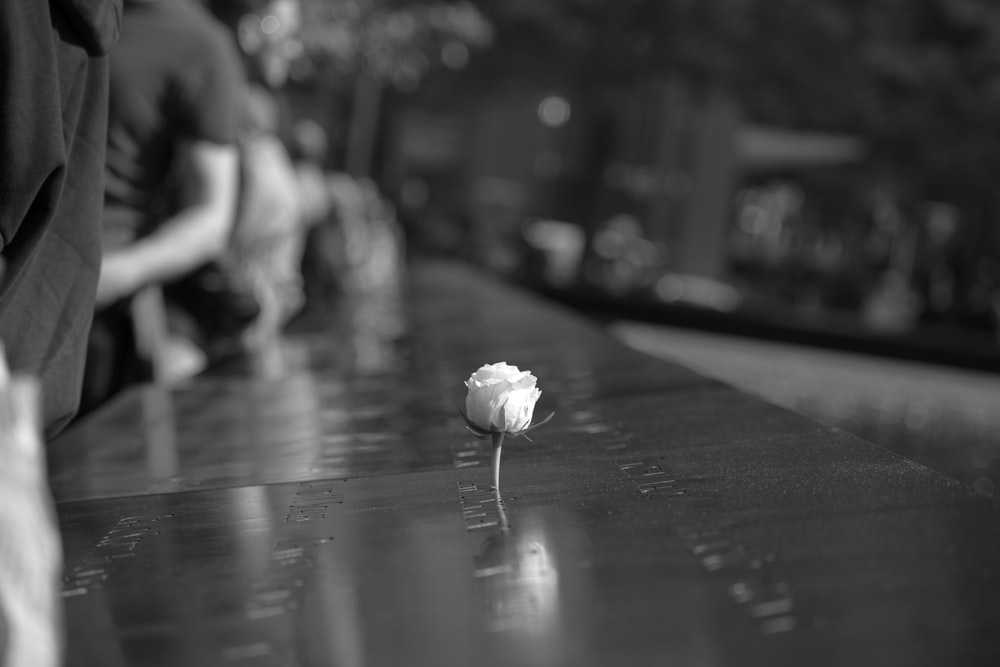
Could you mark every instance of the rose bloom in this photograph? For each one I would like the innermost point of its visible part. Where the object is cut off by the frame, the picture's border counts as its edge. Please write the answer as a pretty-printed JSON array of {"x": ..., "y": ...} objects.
[{"x": 501, "y": 398}]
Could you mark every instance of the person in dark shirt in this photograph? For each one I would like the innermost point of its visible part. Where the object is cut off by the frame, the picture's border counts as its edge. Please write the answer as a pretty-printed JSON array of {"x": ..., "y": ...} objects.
[
  {"x": 175, "y": 86},
  {"x": 53, "y": 124},
  {"x": 176, "y": 82}
]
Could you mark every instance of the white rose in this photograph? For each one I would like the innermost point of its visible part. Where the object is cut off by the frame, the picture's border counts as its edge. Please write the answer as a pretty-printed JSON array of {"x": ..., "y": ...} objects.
[{"x": 501, "y": 398}]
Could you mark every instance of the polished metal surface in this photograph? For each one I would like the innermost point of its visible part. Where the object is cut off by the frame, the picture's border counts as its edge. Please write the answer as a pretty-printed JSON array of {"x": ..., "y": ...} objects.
[{"x": 327, "y": 507}]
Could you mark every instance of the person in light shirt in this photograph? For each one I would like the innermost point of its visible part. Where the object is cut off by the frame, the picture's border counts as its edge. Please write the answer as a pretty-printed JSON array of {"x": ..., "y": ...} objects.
[{"x": 53, "y": 125}]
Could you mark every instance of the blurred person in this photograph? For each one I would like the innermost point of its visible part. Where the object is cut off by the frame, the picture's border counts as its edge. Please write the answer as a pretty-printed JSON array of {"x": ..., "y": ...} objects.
[
  {"x": 266, "y": 247},
  {"x": 622, "y": 260},
  {"x": 309, "y": 152},
  {"x": 172, "y": 173},
  {"x": 373, "y": 244},
  {"x": 321, "y": 252},
  {"x": 53, "y": 106},
  {"x": 270, "y": 249},
  {"x": 940, "y": 263},
  {"x": 278, "y": 200}
]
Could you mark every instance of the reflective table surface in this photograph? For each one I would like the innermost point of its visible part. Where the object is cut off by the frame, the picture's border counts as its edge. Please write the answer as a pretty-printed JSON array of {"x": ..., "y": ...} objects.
[{"x": 324, "y": 505}]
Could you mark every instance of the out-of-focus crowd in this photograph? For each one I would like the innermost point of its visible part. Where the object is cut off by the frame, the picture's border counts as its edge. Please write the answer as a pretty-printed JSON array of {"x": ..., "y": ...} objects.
[
  {"x": 216, "y": 193},
  {"x": 163, "y": 207},
  {"x": 217, "y": 196}
]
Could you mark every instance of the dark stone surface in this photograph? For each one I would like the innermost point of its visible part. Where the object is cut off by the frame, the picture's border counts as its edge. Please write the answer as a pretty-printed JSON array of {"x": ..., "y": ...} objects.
[{"x": 327, "y": 507}]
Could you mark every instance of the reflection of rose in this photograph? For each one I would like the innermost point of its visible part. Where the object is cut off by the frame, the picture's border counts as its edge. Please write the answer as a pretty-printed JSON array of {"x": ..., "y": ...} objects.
[
  {"x": 519, "y": 584},
  {"x": 501, "y": 398}
]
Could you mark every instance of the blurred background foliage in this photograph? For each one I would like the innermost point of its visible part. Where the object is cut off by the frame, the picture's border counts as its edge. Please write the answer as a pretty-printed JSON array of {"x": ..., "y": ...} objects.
[
  {"x": 921, "y": 78},
  {"x": 395, "y": 42}
]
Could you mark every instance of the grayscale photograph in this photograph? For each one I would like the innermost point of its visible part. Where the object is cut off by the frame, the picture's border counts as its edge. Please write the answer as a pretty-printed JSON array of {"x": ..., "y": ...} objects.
[{"x": 499, "y": 333}]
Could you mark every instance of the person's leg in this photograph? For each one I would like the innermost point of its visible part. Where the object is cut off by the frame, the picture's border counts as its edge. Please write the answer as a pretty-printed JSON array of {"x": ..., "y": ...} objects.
[{"x": 113, "y": 362}]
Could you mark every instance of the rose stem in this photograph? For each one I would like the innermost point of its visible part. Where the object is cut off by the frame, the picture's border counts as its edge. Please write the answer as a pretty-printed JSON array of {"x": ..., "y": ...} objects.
[
  {"x": 502, "y": 513},
  {"x": 497, "y": 448}
]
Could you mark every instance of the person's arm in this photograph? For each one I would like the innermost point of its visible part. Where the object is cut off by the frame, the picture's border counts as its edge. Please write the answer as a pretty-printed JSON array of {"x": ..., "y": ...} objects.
[{"x": 196, "y": 234}]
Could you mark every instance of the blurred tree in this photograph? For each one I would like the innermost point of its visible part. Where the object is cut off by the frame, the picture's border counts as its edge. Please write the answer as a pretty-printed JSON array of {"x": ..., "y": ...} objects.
[
  {"x": 363, "y": 45},
  {"x": 395, "y": 41}
]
